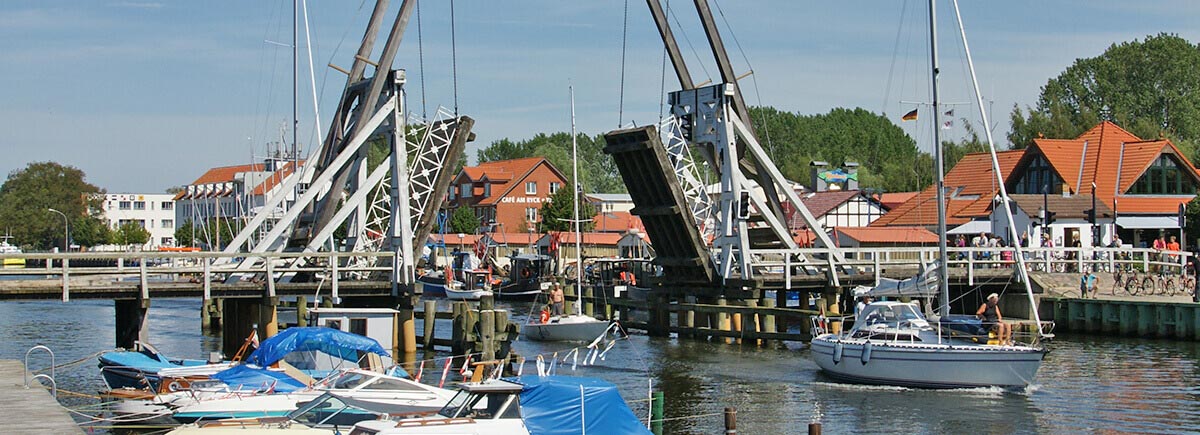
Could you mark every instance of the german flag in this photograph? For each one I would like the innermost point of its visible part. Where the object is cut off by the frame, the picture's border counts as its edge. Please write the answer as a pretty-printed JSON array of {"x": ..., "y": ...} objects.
[{"x": 910, "y": 116}]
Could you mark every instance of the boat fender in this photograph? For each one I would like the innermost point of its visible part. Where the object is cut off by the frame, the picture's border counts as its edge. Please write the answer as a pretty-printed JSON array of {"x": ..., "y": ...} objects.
[
  {"x": 838, "y": 348},
  {"x": 866, "y": 352}
]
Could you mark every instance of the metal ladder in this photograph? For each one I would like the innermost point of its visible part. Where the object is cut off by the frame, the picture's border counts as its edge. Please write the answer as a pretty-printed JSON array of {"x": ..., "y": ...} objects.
[{"x": 50, "y": 377}]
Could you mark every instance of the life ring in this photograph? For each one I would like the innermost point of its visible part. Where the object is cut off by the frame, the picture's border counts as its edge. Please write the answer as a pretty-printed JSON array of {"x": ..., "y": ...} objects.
[
  {"x": 545, "y": 316},
  {"x": 525, "y": 273},
  {"x": 174, "y": 386},
  {"x": 866, "y": 352},
  {"x": 838, "y": 348}
]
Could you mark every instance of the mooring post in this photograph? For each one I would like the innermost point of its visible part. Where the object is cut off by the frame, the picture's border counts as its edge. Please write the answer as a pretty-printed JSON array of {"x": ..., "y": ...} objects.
[
  {"x": 688, "y": 318},
  {"x": 589, "y": 307},
  {"x": 723, "y": 319},
  {"x": 735, "y": 321},
  {"x": 656, "y": 413},
  {"x": 429, "y": 325},
  {"x": 752, "y": 322},
  {"x": 301, "y": 311},
  {"x": 569, "y": 299},
  {"x": 131, "y": 321},
  {"x": 730, "y": 421},
  {"x": 407, "y": 326},
  {"x": 268, "y": 317},
  {"x": 768, "y": 321},
  {"x": 814, "y": 428},
  {"x": 458, "y": 340}
]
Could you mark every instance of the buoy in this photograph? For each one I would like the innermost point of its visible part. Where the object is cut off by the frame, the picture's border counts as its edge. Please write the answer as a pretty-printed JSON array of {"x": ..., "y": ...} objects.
[
  {"x": 866, "y": 352},
  {"x": 837, "y": 352}
]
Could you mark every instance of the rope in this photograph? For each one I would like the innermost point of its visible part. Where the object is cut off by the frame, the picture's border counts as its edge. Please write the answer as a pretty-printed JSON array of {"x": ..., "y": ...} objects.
[
  {"x": 69, "y": 364},
  {"x": 624, "y": 38},
  {"x": 454, "y": 57}
]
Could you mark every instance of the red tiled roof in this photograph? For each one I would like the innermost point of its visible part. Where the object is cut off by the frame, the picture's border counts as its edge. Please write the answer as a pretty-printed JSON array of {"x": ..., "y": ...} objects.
[
  {"x": 589, "y": 238},
  {"x": 970, "y": 186},
  {"x": 499, "y": 173},
  {"x": 615, "y": 222},
  {"x": 891, "y": 200},
  {"x": 819, "y": 204},
  {"x": 275, "y": 179},
  {"x": 907, "y": 235}
]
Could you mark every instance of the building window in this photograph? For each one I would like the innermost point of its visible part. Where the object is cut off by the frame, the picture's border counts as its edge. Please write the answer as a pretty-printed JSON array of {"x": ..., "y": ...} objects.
[
  {"x": 487, "y": 190},
  {"x": 167, "y": 241},
  {"x": 531, "y": 188},
  {"x": 139, "y": 205},
  {"x": 167, "y": 205},
  {"x": 554, "y": 185},
  {"x": 123, "y": 205},
  {"x": 531, "y": 214},
  {"x": 1163, "y": 177},
  {"x": 1039, "y": 173},
  {"x": 464, "y": 190},
  {"x": 168, "y": 223}
]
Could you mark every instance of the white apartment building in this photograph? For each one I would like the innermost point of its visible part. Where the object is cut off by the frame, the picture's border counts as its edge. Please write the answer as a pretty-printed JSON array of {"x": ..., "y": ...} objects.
[
  {"x": 228, "y": 196},
  {"x": 153, "y": 211}
]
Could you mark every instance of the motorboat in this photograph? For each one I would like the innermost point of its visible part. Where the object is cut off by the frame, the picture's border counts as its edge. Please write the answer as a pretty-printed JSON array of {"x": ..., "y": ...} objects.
[
  {"x": 378, "y": 391},
  {"x": 522, "y": 406},
  {"x": 474, "y": 284},
  {"x": 7, "y": 251},
  {"x": 571, "y": 327},
  {"x": 621, "y": 277},
  {"x": 327, "y": 411},
  {"x": 143, "y": 367},
  {"x": 526, "y": 278},
  {"x": 892, "y": 343}
]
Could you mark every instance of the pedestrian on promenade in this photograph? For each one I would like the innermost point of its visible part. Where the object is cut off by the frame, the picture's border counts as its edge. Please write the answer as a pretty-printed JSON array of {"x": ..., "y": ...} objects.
[{"x": 1087, "y": 284}]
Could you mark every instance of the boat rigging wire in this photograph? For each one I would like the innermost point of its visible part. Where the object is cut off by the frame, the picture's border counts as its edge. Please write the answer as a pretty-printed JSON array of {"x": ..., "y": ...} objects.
[
  {"x": 678, "y": 24},
  {"x": 454, "y": 57},
  {"x": 662, "y": 79},
  {"x": 887, "y": 90},
  {"x": 624, "y": 39}
]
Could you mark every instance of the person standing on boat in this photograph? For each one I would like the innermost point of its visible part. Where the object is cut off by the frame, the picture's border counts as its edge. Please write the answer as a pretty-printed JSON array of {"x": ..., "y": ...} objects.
[
  {"x": 862, "y": 305},
  {"x": 989, "y": 313},
  {"x": 556, "y": 300}
]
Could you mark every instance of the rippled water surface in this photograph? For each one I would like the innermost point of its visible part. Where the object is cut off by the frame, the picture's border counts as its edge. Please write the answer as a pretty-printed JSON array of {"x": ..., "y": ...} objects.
[{"x": 1086, "y": 384}]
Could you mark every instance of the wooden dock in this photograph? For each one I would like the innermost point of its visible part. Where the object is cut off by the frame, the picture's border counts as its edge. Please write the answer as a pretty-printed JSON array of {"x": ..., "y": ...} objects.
[{"x": 32, "y": 410}]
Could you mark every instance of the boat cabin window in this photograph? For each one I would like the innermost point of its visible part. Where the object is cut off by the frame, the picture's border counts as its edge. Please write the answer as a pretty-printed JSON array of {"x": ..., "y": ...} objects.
[
  {"x": 464, "y": 400},
  {"x": 394, "y": 385},
  {"x": 891, "y": 315},
  {"x": 504, "y": 406},
  {"x": 351, "y": 380}
]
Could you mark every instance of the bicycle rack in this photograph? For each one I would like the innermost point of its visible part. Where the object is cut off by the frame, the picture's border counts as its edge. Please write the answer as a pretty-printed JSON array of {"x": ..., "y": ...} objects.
[{"x": 50, "y": 377}]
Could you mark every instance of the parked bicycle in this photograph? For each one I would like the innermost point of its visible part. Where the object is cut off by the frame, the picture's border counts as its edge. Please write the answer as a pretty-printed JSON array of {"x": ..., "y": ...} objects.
[
  {"x": 1126, "y": 280},
  {"x": 1160, "y": 281}
]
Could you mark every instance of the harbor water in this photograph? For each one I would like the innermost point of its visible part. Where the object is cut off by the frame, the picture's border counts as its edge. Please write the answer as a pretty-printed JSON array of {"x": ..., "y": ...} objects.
[{"x": 1086, "y": 384}]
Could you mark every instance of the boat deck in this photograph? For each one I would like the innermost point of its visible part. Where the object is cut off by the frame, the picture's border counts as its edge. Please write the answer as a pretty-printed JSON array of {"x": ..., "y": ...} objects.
[{"x": 30, "y": 411}]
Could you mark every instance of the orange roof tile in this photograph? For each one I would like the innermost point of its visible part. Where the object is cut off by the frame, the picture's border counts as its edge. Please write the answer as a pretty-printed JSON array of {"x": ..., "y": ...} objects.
[
  {"x": 275, "y": 179},
  {"x": 891, "y": 200},
  {"x": 225, "y": 173},
  {"x": 970, "y": 187},
  {"x": 907, "y": 235},
  {"x": 589, "y": 238},
  {"x": 615, "y": 221}
]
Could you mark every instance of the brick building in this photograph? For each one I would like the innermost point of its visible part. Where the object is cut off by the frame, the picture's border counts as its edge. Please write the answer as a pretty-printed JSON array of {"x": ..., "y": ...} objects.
[{"x": 508, "y": 192}]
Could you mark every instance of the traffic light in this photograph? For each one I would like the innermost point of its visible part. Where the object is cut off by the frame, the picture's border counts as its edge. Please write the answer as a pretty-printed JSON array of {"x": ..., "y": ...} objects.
[
  {"x": 744, "y": 206},
  {"x": 1091, "y": 216},
  {"x": 1050, "y": 217}
]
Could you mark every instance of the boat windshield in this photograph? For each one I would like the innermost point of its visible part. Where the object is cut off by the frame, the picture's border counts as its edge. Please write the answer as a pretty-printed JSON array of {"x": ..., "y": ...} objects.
[
  {"x": 462, "y": 400},
  {"x": 890, "y": 316}
]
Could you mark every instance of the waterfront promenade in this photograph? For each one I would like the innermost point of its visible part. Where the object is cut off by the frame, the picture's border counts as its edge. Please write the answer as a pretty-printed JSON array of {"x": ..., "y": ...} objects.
[{"x": 32, "y": 410}]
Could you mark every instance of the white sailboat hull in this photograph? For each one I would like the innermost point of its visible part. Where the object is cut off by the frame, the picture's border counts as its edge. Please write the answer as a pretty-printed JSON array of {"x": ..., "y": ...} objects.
[
  {"x": 566, "y": 328},
  {"x": 463, "y": 295},
  {"x": 926, "y": 365}
]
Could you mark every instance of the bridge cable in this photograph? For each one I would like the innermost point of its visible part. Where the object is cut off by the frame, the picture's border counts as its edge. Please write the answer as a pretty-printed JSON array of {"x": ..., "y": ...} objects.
[
  {"x": 454, "y": 57},
  {"x": 421, "y": 61},
  {"x": 753, "y": 77},
  {"x": 624, "y": 39},
  {"x": 662, "y": 80}
]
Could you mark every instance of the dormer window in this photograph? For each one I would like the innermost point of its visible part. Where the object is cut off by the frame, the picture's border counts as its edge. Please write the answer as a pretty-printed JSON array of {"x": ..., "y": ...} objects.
[
  {"x": 1163, "y": 177},
  {"x": 464, "y": 190}
]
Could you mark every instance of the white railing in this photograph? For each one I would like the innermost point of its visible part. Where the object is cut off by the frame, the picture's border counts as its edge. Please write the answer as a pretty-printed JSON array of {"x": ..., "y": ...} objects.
[{"x": 203, "y": 267}]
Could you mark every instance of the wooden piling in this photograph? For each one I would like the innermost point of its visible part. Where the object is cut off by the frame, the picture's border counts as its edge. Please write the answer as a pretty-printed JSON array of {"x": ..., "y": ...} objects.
[
  {"x": 735, "y": 322},
  {"x": 430, "y": 324},
  {"x": 688, "y": 319},
  {"x": 589, "y": 308},
  {"x": 730, "y": 421},
  {"x": 131, "y": 321},
  {"x": 487, "y": 335},
  {"x": 301, "y": 311},
  {"x": 768, "y": 321},
  {"x": 723, "y": 319},
  {"x": 569, "y": 299},
  {"x": 814, "y": 428},
  {"x": 268, "y": 317}
]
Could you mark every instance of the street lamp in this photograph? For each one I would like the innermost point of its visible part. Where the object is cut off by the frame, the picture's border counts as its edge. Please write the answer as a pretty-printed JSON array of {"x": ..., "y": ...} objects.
[{"x": 66, "y": 230}]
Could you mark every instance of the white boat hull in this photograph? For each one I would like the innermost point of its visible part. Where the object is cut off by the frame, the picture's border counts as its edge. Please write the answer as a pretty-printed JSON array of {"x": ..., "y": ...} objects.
[
  {"x": 926, "y": 365},
  {"x": 566, "y": 328},
  {"x": 464, "y": 295}
]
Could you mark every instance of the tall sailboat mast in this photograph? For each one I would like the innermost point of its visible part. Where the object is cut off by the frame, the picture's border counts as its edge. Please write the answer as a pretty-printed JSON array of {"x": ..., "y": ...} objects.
[
  {"x": 575, "y": 205},
  {"x": 939, "y": 169}
]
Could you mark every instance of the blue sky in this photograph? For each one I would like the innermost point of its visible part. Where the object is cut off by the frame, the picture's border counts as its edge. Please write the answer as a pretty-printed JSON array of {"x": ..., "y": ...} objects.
[{"x": 143, "y": 95}]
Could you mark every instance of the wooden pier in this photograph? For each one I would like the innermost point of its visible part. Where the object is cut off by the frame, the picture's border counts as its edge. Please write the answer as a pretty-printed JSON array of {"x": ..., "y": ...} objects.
[{"x": 30, "y": 410}]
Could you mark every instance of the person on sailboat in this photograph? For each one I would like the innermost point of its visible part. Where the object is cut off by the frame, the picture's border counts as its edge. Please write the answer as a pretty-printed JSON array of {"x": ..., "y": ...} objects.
[
  {"x": 862, "y": 305},
  {"x": 989, "y": 312},
  {"x": 556, "y": 300}
]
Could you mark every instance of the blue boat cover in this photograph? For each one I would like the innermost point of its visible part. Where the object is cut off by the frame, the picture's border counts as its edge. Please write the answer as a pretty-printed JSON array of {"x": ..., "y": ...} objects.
[
  {"x": 136, "y": 360},
  {"x": 329, "y": 341},
  {"x": 256, "y": 378},
  {"x": 555, "y": 405}
]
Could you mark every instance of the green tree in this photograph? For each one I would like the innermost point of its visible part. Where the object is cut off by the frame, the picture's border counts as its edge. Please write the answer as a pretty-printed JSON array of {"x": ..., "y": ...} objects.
[
  {"x": 183, "y": 234},
  {"x": 91, "y": 231},
  {"x": 130, "y": 233},
  {"x": 463, "y": 220},
  {"x": 1191, "y": 226},
  {"x": 559, "y": 211},
  {"x": 1149, "y": 87},
  {"x": 28, "y": 193}
]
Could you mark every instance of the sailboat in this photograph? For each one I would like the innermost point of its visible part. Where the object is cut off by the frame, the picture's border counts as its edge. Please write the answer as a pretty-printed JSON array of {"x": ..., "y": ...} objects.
[
  {"x": 892, "y": 343},
  {"x": 576, "y": 326}
]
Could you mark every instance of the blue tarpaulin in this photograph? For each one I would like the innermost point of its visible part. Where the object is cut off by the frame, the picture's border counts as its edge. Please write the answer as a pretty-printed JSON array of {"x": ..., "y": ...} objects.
[
  {"x": 245, "y": 377},
  {"x": 329, "y": 341},
  {"x": 562, "y": 405}
]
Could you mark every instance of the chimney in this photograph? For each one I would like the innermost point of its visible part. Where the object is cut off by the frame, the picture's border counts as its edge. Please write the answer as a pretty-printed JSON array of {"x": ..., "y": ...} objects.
[
  {"x": 851, "y": 175},
  {"x": 818, "y": 185}
]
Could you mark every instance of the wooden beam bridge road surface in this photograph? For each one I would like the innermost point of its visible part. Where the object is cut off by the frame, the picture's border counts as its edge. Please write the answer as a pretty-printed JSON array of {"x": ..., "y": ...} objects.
[{"x": 147, "y": 275}]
